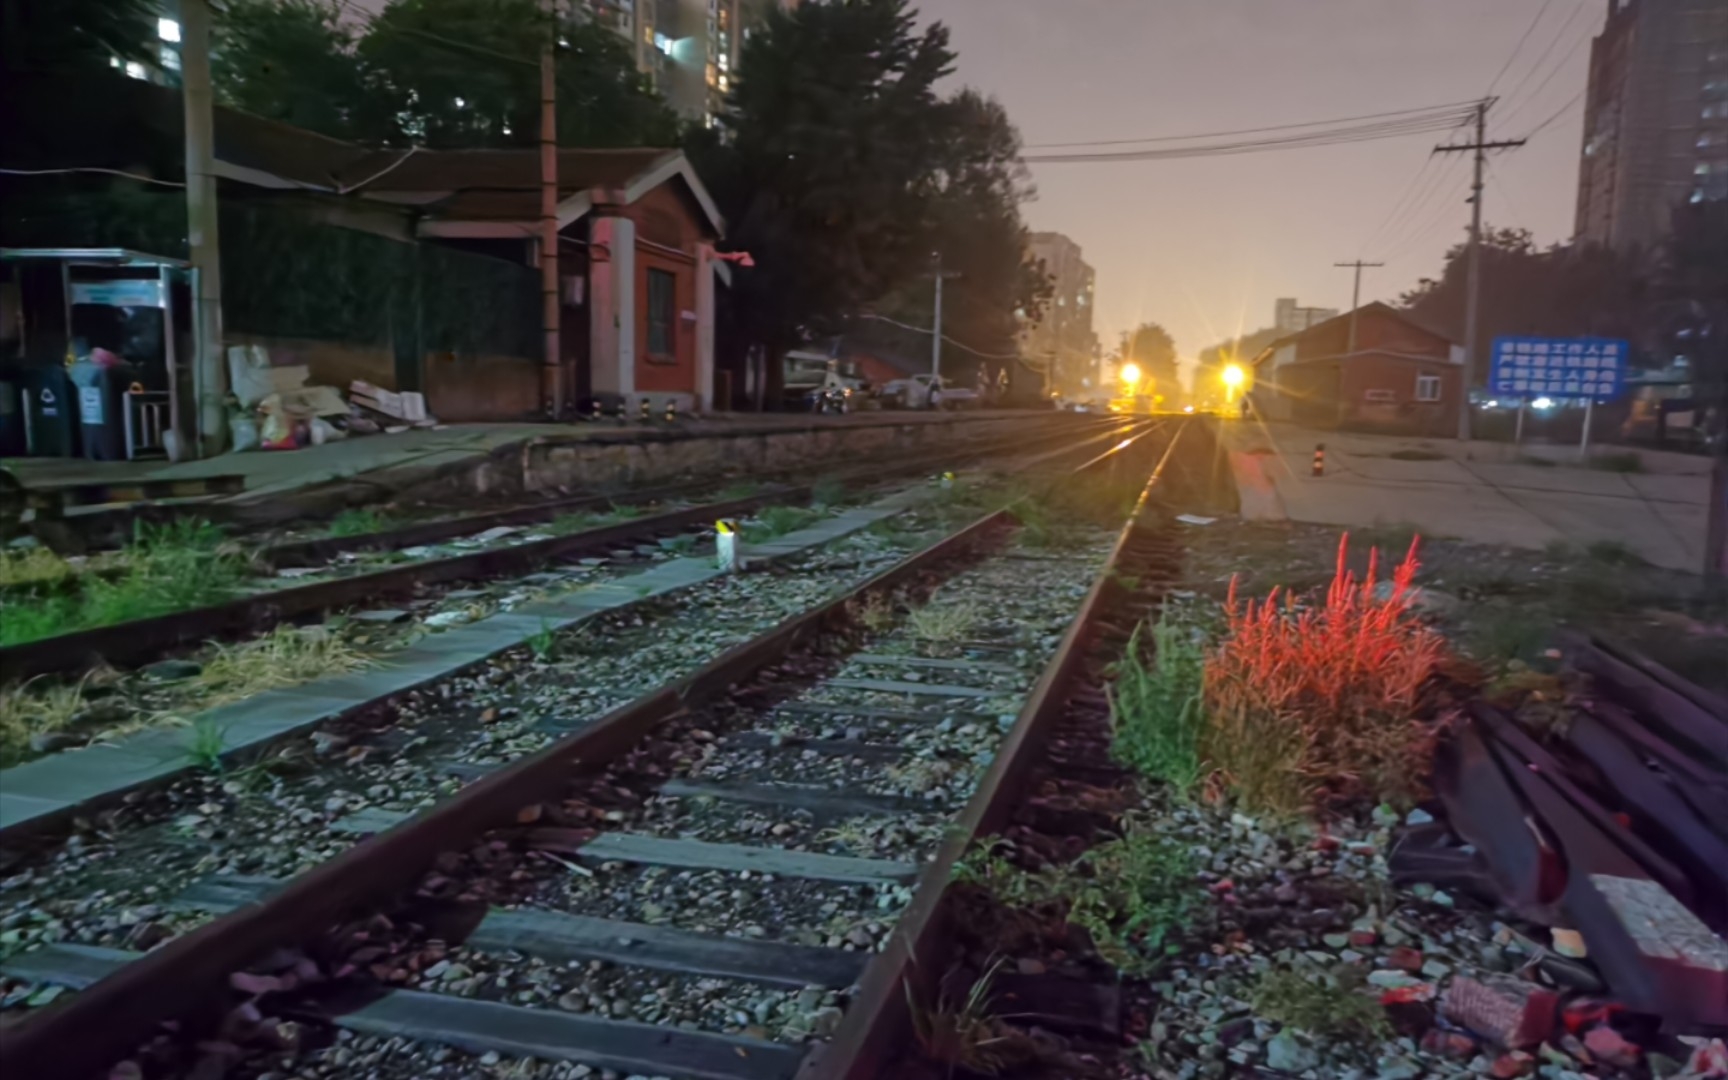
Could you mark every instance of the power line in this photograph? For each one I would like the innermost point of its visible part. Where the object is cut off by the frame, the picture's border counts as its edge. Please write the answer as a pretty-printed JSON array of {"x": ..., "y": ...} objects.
[
  {"x": 1555, "y": 70},
  {"x": 1331, "y": 137},
  {"x": 945, "y": 337},
  {"x": 1420, "y": 218},
  {"x": 1408, "y": 203},
  {"x": 1249, "y": 131},
  {"x": 1542, "y": 59},
  {"x": 1543, "y": 10},
  {"x": 1558, "y": 113},
  {"x": 1434, "y": 215}
]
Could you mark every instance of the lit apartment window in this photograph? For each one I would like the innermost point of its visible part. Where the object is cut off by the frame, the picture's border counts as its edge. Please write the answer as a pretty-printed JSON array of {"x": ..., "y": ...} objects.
[
  {"x": 136, "y": 70},
  {"x": 168, "y": 30},
  {"x": 1427, "y": 388}
]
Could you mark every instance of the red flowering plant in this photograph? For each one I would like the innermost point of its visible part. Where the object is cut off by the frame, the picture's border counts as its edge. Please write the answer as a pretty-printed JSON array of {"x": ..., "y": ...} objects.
[{"x": 1323, "y": 703}]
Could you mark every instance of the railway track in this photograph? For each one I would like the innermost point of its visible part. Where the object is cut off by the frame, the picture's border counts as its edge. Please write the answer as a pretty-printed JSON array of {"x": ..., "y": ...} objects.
[
  {"x": 696, "y": 903},
  {"x": 140, "y": 640}
]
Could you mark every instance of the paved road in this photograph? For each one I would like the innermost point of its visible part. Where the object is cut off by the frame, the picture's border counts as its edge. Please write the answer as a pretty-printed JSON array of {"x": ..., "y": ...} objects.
[{"x": 1475, "y": 491}]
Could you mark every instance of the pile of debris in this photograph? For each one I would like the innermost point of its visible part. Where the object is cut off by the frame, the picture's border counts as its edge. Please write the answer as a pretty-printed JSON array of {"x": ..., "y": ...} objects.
[
  {"x": 275, "y": 409},
  {"x": 1610, "y": 830}
]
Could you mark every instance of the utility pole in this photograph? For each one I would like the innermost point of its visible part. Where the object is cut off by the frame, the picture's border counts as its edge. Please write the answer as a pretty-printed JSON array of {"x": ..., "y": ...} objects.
[
  {"x": 936, "y": 333},
  {"x": 208, "y": 383},
  {"x": 1473, "y": 289},
  {"x": 551, "y": 382},
  {"x": 1355, "y": 295}
]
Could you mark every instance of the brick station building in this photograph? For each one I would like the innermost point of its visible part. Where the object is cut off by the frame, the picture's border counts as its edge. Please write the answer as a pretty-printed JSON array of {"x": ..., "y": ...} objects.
[{"x": 1399, "y": 376}]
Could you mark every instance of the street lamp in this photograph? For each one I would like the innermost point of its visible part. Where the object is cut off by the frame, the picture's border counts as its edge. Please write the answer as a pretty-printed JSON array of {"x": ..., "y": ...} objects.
[
  {"x": 1130, "y": 373},
  {"x": 1234, "y": 376}
]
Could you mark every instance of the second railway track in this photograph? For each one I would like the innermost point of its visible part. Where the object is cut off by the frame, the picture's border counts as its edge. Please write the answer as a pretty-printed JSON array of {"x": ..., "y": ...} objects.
[
  {"x": 699, "y": 903},
  {"x": 139, "y": 640}
]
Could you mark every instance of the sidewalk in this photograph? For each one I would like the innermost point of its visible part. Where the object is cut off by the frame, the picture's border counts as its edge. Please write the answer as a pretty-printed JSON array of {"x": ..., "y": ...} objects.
[
  {"x": 1475, "y": 491},
  {"x": 393, "y": 460}
]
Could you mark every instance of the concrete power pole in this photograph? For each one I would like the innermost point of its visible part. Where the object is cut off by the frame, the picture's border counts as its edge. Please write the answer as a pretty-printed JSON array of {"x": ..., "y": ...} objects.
[
  {"x": 1355, "y": 295},
  {"x": 208, "y": 382},
  {"x": 936, "y": 331},
  {"x": 1473, "y": 289},
  {"x": 551, "y": 381}
]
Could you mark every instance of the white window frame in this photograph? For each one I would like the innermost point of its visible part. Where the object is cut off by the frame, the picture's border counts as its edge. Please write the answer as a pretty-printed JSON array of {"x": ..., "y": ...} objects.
[{"x": 1430, "y": 383}]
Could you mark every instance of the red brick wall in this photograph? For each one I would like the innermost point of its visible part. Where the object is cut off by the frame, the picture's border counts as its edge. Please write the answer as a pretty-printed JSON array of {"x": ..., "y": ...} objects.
[
  {"x": 669, "y": 226},
  {"x": 1374, "y": 392}
]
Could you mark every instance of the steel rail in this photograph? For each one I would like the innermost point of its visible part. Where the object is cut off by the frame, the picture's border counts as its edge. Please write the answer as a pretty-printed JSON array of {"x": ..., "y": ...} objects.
[
  {"x": 877, "y": 1024},
  {"x": 189, "y": 975},
  {"x": 308, "y": 552},
  {"x": 137, "y": 639}
]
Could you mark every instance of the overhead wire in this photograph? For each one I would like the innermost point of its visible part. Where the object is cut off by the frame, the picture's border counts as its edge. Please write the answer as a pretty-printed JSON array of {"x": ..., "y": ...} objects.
[
  {"x": 1334, "y": 136},
  {"x": 1436, "y": 216},
  {"x": 1558, "y": 113},
  {"x": 1507, "y": 66},
  {"x": 1250, "y": 131},
  {"x": 927, "y": 331},
  {"x": 1559, "y": 35},
  {"x": 1407, "y": 205},
  {"x": 1420, "y": 212}
]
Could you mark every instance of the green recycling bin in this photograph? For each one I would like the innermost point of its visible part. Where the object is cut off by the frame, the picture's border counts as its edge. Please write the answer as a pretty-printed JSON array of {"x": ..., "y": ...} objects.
[{"x": 50, "y": 413}]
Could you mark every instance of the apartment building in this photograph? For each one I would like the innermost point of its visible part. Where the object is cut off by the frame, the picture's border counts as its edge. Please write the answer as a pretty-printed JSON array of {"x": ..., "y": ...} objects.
[
  {"x": 1064, "y": 337},
  {"x": 689, "y": 48},
  {"x": 1655, "y": 120}
]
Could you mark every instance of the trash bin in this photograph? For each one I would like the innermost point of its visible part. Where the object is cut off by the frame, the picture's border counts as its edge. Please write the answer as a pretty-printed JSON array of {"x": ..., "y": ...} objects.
[
  {"x": 50, "y": 413},
  {"x": 101, "y": 408},
  {"x": 12, "y": 441}
]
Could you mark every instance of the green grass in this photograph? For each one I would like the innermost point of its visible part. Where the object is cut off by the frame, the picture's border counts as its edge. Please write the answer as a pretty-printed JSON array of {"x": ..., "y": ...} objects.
[
  {"x": 741, "y": 489},
  {"x": 1613, "y": 553},
  {"x": 1156, "y": 707},
  {"x": 166, "y": 568},
  {"x": 1501, "y": 635},
  {"x": 35, "y": 707},
  {"x": 359, "y": 522},
  {"x": 1393, "y": 538},
  {"x": 284, "y": 657},
  {"x": 943, "y": 624},
  {"x": 1620, "y": 461},
  {"x": 1133, "y": 895},
  {"x": 205, "y": 744},
  {"x": 827, "y": 492},
  {"x": 1336, "y": 1004},
  {"x": 543, "y": 641},
  {"x": 775, "y": 521}
]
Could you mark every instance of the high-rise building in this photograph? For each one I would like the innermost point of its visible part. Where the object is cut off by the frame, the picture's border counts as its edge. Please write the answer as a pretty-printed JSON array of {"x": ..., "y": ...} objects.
[
  {"x": 1655, "y": 118},
  {"x": 1064, "y": 338},
  {"x": 1292, "y": 318},
  {"x": 688, "y": 48}
]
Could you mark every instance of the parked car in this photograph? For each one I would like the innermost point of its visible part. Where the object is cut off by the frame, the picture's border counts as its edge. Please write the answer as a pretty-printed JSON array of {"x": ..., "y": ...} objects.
[{"x": 927, "y": 392}]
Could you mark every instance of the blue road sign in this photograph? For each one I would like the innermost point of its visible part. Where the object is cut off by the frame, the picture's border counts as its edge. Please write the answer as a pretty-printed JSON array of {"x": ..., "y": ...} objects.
[{"x": 1593, "y": 368}]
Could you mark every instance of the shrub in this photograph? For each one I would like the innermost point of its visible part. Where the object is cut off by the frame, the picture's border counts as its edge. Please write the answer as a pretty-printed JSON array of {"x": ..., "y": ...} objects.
[
  {"x": 1156, "y": 704},
  {"x": 1321, "y": 702}
]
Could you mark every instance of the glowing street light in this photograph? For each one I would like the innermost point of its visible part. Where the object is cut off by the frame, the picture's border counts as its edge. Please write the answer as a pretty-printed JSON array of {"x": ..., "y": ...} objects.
[
  {"x": 1233, "y": 376},
  {"x": 1130, "y": 373}
]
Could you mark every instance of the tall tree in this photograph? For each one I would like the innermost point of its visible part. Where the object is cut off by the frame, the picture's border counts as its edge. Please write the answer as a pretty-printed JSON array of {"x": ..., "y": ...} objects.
[
  {"x": 975, "y": 225},
  {"x": 1151, "y": 347},
  {"x": 1562, "y": 291},
  {"x": 825, "y": 172},
  {"x": 294, "y": 61},
  {"x": 439, "y": 73}
]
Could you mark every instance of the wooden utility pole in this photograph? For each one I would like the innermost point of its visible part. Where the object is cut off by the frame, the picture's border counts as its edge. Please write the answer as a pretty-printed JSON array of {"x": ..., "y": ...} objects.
[
  {"x": 1355, "y": 296},
  {"x": 551, "y": 303},
  {"x": 208, "y": 382},
  {"x": 1473, "y": 289}
]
